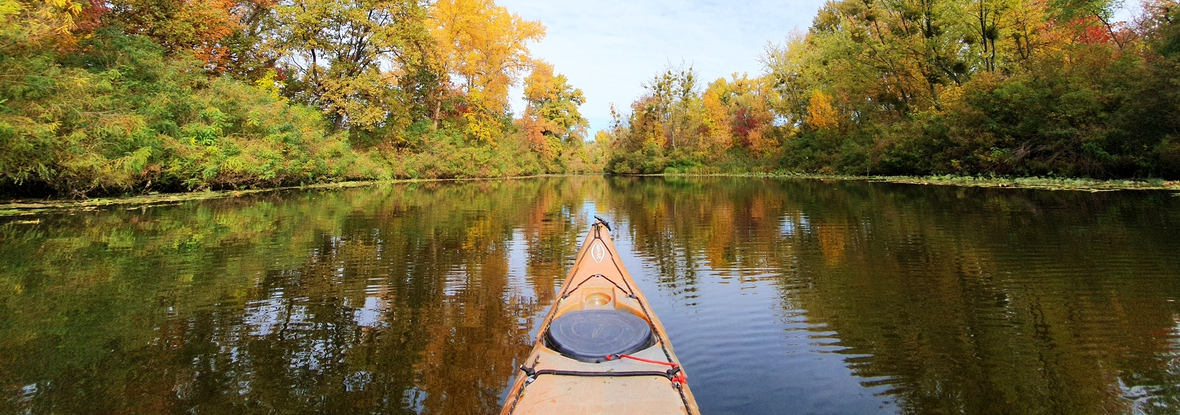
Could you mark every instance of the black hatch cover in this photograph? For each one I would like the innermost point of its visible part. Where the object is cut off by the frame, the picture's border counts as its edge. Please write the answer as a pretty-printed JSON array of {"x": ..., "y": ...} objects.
[{"x": 592, "y": 335}]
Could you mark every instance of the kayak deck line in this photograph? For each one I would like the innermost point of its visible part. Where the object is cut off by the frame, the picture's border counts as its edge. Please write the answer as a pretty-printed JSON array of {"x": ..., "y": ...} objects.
[
  {"x": 596, "y": 347},
  {"x": 629, "y": 294},
  {"x": 671, "y": 374}
]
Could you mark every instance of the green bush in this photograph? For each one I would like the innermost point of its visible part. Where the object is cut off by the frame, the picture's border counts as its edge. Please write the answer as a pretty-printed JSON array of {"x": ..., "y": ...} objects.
[{"x": 119, "y": 116}]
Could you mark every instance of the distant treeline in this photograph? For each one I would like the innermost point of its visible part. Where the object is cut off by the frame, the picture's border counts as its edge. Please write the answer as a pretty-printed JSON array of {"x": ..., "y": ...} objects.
[
  {"x": 109, "y": 97},
  {"x": 1003, "y": 87}
]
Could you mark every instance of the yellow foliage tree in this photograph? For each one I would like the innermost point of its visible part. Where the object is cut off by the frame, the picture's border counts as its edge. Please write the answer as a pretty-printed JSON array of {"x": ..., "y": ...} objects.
[
  {"x": 718, "y": 135},
  {"x": 484, "y": 47},
  {"x": 551, "y": 98},
  {"x": 25, "y": 22},
  {"x": 820, "y": 113},
  {"x": 480, "y": 124}
]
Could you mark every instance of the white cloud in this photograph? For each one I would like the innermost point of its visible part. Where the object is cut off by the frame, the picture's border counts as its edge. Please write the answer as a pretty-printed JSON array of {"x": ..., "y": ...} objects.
[{"x": 610, "y": 48}]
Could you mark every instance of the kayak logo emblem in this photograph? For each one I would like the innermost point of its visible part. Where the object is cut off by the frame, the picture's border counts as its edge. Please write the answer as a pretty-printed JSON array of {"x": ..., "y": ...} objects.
[{"x": 598, "y": 252}]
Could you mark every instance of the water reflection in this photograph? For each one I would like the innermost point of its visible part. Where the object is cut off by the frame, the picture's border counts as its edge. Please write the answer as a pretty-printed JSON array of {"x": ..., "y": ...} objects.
[
  {"x": 944, "y": 300},
  {"x": 781, "y": 296},
  {"x": 392, "y": 299}
]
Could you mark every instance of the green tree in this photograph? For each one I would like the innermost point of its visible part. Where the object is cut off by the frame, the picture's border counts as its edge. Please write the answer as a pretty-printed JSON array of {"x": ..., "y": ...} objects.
[{"x": 664, "y": 127}]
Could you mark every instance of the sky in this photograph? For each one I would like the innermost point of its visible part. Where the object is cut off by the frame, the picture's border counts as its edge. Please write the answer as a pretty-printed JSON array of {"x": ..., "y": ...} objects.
[{"x": 609, "y": 48}]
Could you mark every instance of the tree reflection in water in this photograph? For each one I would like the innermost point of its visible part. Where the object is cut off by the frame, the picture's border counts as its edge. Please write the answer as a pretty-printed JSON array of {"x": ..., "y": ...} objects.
[
  {"x": 391, "y": 299},
  {"x": 420, "y": 298},
  {"x": 947, "y": 300}
]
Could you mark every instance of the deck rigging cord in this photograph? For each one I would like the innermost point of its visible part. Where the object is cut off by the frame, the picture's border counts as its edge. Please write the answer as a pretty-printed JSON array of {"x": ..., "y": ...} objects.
[{"x": 567, "y": 294}]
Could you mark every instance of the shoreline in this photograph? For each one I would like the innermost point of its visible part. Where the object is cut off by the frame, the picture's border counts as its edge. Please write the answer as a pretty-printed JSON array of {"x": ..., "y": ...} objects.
[
  {"x": 25, "y": 207},
  {"x": 28, "y": 206},
  {"x": 1037, "y": 183}
]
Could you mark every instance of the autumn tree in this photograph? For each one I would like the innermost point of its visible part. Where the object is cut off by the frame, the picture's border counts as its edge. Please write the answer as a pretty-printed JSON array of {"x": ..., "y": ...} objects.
[
  {"x": 670, "y": 106},
  {"x": 675, "y": 124},
  {"x": 26, "y": 24},
  {"x": 199, "y": 26},
  {"x": 551, "y": 119},
  {"x": 484, "y": 48},
  {"x": 247, "y": 53},
  {"x": 336, "y": 55},
  {"x": 789, "y": 77},
  {"x": 666, "y": 125},
  {"x": 737, "y": 109},
  {"x": 900, "y": 54},
  {"x": 109, "y": 97},
  {"x": 820, "y": 112}
]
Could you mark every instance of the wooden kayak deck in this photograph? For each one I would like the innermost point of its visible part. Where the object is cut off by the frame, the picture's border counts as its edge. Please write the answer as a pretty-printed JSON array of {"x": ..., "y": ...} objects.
[{"x": 648, "y": 381}]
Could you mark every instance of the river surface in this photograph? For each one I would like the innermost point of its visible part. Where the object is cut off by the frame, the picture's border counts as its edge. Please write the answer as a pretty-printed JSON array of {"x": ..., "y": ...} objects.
[{"x": 781, "y": 296}]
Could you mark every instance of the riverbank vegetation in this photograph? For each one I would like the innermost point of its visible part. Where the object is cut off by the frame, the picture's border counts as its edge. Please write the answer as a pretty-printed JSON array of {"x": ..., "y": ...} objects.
[
  {"x": 141, "y": 96},
  {"x": 137, "y": 96},
  {"x": 978, "y": 88}
]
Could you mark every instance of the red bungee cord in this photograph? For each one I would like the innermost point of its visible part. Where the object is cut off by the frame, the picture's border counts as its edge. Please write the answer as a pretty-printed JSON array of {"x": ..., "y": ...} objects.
[{"x": 680, "y": 378}]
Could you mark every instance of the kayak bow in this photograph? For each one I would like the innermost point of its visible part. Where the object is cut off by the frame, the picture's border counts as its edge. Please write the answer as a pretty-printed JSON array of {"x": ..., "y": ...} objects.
[{"x": 601, "y": 350}]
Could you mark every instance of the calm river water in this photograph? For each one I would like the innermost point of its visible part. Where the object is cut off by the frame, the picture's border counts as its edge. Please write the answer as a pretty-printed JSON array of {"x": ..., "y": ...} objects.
[{"x": 780, "y": 296}]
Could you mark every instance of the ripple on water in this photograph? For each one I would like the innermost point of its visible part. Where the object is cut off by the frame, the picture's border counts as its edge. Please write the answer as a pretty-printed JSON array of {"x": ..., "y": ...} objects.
[{"x": 780, "y": 296}]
